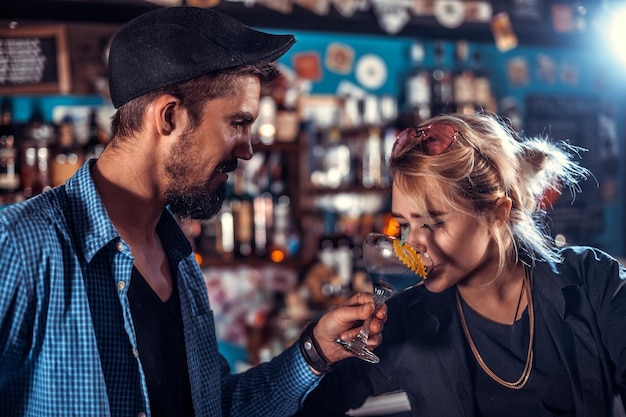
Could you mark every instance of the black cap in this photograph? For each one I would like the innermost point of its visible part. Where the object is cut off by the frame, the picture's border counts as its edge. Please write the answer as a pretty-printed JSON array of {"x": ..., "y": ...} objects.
[{"x": 174, "y": 44}]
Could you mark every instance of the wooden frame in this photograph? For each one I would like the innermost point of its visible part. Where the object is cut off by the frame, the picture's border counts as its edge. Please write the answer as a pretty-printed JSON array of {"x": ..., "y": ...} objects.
[{"x": 44, "y": 53}]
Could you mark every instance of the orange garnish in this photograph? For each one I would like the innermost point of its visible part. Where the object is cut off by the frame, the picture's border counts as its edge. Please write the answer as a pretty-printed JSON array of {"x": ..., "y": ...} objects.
[{"x": 409, "y": 257}]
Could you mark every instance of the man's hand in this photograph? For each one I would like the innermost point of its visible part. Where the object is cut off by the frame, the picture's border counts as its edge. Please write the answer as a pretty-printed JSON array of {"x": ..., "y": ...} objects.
[{"x": 344, "y": 322}]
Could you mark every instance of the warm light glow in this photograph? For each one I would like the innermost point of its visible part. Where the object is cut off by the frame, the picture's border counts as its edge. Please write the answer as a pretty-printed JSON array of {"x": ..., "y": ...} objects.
[
  {"x": 267, "y": 130},
  {"x": 198, "y": 258},
  {"x": 277, "y": 255},
  {"x": 616, "y": 33},
  {"x": 392, "y": 228}
]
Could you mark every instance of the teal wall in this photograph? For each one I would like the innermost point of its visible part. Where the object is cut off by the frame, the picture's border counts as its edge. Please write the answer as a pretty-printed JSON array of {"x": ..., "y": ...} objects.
[
  {"x": 23, "y": 105},
  {"x": 577, "y": 71}
]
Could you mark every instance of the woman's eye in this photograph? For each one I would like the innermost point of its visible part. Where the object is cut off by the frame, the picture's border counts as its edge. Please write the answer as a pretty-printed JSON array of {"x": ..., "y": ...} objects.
[{"x": 432, "y": 226}]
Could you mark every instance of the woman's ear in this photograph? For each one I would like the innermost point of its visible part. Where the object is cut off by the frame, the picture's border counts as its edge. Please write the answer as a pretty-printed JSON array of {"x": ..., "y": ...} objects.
[{"x": 503, "y": 209}]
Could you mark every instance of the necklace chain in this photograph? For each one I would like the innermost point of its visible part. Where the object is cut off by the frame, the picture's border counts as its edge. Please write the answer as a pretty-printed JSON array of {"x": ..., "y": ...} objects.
[{"x": 523, "y": 379}]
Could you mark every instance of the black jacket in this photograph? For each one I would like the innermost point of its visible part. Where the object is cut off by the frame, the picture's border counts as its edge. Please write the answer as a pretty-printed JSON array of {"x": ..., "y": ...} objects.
[{"x": 583, "y": 300}]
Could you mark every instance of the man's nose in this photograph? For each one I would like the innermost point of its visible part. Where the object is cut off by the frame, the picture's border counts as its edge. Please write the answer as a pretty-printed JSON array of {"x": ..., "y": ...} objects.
[{"x": 243, "y": 150}]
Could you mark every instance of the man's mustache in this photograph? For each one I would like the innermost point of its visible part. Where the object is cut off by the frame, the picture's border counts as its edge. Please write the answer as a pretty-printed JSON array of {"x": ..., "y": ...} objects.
[{"x": 227, "y": 166}]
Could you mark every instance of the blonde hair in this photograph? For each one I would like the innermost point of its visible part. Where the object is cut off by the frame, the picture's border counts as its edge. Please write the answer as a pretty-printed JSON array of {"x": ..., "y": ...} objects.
[{"x": 486, "y": 162}]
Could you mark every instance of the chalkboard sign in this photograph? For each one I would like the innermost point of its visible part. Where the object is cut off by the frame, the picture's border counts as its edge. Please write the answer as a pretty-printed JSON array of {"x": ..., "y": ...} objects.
[
  {"x": 34, "y": 60},
  {"x": 575, "y": 120}
]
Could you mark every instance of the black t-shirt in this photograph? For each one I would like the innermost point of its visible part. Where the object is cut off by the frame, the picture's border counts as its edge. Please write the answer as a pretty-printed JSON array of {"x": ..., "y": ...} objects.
[
  {"x": 504, "y": 349},
  {"x": 161, "y": 343}
]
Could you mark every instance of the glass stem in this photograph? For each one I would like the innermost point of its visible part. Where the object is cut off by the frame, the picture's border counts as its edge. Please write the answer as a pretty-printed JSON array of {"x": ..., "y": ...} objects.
[{"x": 379, "y": 297}]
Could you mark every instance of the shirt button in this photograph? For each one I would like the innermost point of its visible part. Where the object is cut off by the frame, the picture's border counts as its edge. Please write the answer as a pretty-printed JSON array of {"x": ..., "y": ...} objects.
[
  {"x": 120, "y": 246},
  {"x": 121, "y": 285},
  {"x": 135, "y": 353},
  {"x": 141, "y": 414}
]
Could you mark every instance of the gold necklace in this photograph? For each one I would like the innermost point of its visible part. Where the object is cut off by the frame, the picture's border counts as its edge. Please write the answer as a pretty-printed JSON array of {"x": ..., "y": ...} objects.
[{"x": 523, "y": 379}]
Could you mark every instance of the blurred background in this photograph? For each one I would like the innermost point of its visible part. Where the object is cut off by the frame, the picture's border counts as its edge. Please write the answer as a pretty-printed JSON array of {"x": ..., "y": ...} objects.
[{"x": 286, "y": 245}]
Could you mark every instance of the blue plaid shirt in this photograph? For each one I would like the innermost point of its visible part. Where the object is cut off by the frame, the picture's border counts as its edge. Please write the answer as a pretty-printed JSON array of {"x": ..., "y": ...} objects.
[{"x": 67, "y": 341}]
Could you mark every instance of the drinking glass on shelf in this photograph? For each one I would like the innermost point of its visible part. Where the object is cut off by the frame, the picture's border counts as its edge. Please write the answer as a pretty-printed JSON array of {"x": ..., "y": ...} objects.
[{"x": 393, "y": 266}]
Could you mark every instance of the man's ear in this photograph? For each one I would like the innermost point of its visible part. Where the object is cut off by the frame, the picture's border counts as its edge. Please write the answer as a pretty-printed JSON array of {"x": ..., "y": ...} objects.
[
  {"x": 503, "y": 209},
  {"x": 167, "y": 114}
]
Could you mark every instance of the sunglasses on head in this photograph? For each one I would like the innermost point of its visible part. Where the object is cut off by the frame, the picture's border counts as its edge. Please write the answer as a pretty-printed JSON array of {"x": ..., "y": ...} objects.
[{"x": 433, "y": 139}]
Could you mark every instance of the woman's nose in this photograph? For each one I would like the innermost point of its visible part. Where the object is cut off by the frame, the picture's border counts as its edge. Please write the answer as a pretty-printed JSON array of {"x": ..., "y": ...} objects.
[{"x": 417, "y": 238}]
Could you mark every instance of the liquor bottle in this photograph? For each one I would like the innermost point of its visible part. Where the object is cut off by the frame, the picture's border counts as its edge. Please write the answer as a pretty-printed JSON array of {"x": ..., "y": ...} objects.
[
  {"x": 216, "y": 240},
  {"x": 336, "y": 252},
  {"x": 95, "y": 144},
  {"x": 279, "y": 246},
  {"x": 417, "y": 88},
  {"x": 66, "y": 157},
  {"x": 283, "y": 235},
  {"x": 343, "y": 257},
  {"x": 262, "y": 204},
  {"x": 35, "y": 155},
  {"x": 441, "y": 79},
  {"x": 372, "y": 163},
  {"x": 331, "y": 285},
  {"x": 389, "y": 122},
  {"x": 373, "y": 158},
  {"x": 388, "y": 110},
  {"x": 264, "y": 127},
  {"x": 336, "y": 160},
  {"x": 287, "y": 120},
  {"x": 9, "y": 178},
  {"x": 483, "y": 97},
  {"x": 226, "y": 232},
  {"x": 463, "y": 80},
  {"x": 207, "y": 241},
  {"x": 242, "y": 208}
]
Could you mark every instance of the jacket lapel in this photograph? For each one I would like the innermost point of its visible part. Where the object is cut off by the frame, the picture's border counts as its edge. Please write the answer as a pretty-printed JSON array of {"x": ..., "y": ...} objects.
[
  {"x": 450, "y": 348},
  {"x": 559, "y": 295}
]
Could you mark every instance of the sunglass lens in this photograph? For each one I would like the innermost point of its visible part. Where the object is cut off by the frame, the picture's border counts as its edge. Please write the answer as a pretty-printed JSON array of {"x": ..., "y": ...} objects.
[
  {"x": 437, "y": 139},
  {"x": 432, "y": 145}
]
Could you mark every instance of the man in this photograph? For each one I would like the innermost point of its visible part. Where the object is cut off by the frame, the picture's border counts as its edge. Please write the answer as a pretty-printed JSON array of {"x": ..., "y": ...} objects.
[{"x": 103, "y": 310}]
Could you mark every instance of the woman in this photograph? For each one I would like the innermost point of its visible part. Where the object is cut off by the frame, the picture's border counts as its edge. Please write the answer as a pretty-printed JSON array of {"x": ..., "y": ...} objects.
[{"x": 506, "y": 323}]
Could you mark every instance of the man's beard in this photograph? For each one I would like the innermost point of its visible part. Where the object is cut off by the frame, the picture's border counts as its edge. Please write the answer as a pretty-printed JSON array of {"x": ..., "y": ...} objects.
[{"x": 199, "y": 203}]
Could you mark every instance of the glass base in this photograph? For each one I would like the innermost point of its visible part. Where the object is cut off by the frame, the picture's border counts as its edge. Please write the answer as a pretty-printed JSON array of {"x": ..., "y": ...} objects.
[{"x": 358, "y": 349}]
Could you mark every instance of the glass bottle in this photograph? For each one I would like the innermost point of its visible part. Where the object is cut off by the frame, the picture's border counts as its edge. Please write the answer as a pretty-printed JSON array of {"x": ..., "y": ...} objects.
[
  {"x": 463, "y": 80},
  {"x": 417, "y": 88},
  {"x": 389, "y": 122},
  {"x": 95, "y": 145},
  {"x": 35, "y": 155},
  {"x": 264, "y": 127},
  {"x": 441, "y": 83},
  {"x": 483, "y": 96},
  {"x": 243, "y": 213},
  {"x": 372, "y": 163},
  {"x": 66, "y": 157},
  {"x": 337, "y": 162},
  {"x": 287, "y": 121},
  {"x": 9, "y": 178}
]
